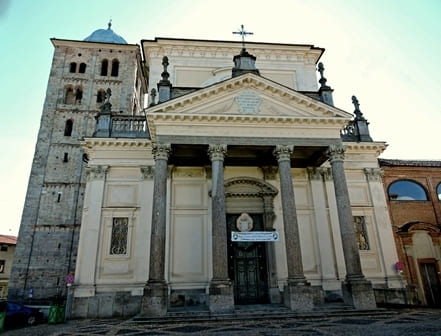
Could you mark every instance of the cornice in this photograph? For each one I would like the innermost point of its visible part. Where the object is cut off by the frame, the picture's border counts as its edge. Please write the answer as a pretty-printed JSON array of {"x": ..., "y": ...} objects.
[
  {"x": 254, "y": 119},
  {"x": 94, "y": 45},
  {"x": 75, "y": 79},
  {"x": 376, "y": 147},
  {"x": 221, "y": 49},
  {"x": 90, "y": 143},
  {"x": 75, "y": 109},
  {"x": 107, "y": 81}
]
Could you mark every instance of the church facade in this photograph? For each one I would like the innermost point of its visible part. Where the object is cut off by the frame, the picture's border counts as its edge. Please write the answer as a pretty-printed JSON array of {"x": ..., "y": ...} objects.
[{"x": 239, "y": 183}]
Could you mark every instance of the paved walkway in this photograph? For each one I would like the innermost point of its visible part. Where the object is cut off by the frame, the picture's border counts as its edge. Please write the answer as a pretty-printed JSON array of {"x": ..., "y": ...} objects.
[{"x": 421, "y": 322}]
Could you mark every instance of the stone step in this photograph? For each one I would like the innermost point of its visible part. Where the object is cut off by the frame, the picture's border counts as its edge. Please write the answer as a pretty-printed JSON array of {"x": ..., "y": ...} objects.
[{"x": 256, "y": 313}]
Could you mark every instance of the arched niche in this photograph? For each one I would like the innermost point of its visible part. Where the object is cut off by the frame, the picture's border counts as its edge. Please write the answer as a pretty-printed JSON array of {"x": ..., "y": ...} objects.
[{"x": 252, "y": 195}]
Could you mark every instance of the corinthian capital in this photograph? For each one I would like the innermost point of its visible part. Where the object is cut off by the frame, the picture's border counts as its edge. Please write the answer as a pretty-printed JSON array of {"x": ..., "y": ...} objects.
[
  {"x": 217, "y": 152},
  {"x": 161, "y": 151},
  {"x": 373, "y": 174},
  {"x": 283, "y": 152},
  {"x": 96, "y": 172},
  {"x": 335, "y": 153},
  {"x": 147, "y": 172}
]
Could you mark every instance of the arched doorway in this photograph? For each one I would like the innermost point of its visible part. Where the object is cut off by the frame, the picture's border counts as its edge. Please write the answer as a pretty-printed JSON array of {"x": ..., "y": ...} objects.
[
  {"x": 251, "y": 265},
  {"x": 419, "y": 243}
]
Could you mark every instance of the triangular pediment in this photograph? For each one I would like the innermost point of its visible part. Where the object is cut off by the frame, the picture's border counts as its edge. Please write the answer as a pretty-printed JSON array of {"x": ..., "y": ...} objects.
[
  {"x": 249, "y": 95},
  {"x": 248, "y": 106}
]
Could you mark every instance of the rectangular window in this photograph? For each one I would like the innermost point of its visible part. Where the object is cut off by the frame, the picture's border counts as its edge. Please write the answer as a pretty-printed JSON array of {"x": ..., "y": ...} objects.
[
  {"x": 4, "y": 248},
  {"x": 118, "y": 241},
  {"x": 361, "y": 232},
  {"x": 2, "y": 266}
]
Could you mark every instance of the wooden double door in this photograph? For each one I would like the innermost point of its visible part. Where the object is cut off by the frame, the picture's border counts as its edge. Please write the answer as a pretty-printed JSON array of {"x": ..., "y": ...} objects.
[
  {"x": 247, "y": 265},
  {"x": 431, "y": 283}
]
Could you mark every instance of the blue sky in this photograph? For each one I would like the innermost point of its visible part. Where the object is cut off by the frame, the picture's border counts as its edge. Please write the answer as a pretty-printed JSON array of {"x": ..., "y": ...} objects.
[{"x": 385, "y": 52}]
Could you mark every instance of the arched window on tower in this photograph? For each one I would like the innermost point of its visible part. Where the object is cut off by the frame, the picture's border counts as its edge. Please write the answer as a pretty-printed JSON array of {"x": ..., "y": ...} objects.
[
  {"x": 115, "y": 68},
  {"x": 100, "y": 96},
  {"x": 68, "y": 127},
  {"x": 406, "y": 190},
  {"x": 82, "y": 68},
  {"x": 69, "y": 97},
  {"x": 78, "y": 95},
  {"x": 73, "y": 67},
  {"x": 104, "y": 66}
]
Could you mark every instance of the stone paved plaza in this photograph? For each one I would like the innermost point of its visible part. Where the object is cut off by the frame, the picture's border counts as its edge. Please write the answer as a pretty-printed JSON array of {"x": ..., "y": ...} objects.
[{"x": 401, "y": 322}]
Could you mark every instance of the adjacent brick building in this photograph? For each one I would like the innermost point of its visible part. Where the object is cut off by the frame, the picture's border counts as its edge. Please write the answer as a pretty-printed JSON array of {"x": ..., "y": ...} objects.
[{"x": 414, "y": 200}]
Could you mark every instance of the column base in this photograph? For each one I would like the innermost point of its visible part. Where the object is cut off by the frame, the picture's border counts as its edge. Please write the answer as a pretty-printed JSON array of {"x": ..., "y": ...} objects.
[
  {"x": 301, "y": 296},
  {"x": 155, "y": 299},
  {"x": 274, "y": 295},
  {"x": 359, "y": 294},
  {"x": 221, "y": 297}
]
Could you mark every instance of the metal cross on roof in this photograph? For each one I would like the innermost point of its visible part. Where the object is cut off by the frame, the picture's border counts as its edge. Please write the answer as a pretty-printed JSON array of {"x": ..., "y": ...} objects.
[{"x": 242, "y": 32}]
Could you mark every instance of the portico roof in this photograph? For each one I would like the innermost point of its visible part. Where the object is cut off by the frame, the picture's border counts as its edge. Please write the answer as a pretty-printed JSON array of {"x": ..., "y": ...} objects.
[{"x": 248, "y": 113}]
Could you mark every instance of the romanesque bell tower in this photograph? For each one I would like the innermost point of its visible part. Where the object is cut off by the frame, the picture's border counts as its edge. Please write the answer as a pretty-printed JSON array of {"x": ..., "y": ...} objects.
[{"x": 80, "y": 76}]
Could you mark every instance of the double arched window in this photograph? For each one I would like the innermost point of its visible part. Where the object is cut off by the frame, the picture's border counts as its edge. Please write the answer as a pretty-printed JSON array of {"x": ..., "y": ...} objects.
[
  {"x": 72, "y": 96},
  {"x": 114, "y": 70},
  {"x": 406, "y": 190},
  {"x": 73, "y": 67}
]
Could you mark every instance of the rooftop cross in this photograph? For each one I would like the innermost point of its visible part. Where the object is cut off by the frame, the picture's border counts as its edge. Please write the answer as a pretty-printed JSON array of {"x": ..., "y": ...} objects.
[
  {"x": 242, "y": 32},
  {"x": 109, "y": 24}
]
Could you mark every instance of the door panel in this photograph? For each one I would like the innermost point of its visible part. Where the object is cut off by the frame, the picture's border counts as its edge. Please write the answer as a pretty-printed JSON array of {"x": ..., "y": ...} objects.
[
  {"x": 431, "y": 284},
  {"x": 247, "y": 265}
]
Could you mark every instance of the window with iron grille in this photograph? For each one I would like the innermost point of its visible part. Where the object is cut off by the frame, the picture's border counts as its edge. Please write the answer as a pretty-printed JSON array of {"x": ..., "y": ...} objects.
[{"x": 118, "y": 241}]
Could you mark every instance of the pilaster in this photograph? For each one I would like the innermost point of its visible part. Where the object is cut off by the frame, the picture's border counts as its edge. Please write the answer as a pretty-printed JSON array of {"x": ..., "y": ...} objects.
[
  {"x": 268, "y": 219},
  {"x": 86, "y": 267},
  {"x": 324, "y": 232},
  {"x": 383, "y": 226},
  {"x": 334, "y": 222}
]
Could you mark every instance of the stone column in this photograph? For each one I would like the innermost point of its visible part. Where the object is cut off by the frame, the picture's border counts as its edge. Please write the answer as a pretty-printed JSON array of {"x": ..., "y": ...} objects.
[
  {"x": 221, "y": 296},
  {"x": 297, "y": 293},
  {"x": 356, "y": 289},
  {"x": 155, "y": 292}
]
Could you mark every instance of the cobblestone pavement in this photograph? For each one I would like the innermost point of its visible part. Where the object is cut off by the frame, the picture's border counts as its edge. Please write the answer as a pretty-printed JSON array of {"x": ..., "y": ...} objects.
[{"x": 419, "y": 322}]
